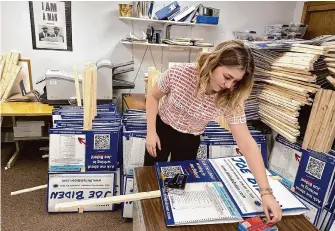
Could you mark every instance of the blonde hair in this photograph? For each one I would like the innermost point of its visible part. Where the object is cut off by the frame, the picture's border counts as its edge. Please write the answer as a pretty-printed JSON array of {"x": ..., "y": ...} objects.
[{"x": 230, "y": 53}]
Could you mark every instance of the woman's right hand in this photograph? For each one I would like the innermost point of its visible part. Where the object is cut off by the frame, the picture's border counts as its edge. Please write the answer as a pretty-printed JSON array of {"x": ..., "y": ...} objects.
[{"x": 151, "y": 141}]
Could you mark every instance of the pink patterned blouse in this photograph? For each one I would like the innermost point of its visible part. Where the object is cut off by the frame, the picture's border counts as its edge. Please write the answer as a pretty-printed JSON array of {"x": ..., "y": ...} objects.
[{"x": 182, "y": 109}]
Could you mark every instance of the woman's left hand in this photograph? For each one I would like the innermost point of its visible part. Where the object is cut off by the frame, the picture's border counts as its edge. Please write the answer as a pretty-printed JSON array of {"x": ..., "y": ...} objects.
[{"x": 270, "y": 203}]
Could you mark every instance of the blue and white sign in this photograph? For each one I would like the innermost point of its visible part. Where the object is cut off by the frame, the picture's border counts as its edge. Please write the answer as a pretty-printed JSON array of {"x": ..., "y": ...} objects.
[
  {"x": 285, "y": 160},
  {"x": 315, "y": 176},
  {"x": 69, "y": 187}
]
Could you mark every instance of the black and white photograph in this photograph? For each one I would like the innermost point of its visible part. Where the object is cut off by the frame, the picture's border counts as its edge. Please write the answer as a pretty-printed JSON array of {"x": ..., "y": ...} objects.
[
  {"x": 51, "y": 34},
  {"x": 51, "y": 25}
]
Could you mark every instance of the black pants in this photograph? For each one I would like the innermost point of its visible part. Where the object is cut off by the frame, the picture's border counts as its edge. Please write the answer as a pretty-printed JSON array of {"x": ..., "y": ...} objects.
[{"x": 182, "y": 146}]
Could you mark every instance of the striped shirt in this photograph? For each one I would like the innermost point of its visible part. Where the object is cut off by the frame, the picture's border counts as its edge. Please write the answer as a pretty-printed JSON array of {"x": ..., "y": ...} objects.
[{"x": 182, "y": 109}]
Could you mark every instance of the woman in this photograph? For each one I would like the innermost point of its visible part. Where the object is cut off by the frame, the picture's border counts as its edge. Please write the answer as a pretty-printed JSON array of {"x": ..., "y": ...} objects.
[{"x": 218, "y": 84}]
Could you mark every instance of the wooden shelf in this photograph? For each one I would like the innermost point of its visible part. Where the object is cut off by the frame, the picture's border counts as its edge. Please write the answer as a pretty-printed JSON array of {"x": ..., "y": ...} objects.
[
  {"x": 162, "y": 45},
  {"x": 165, "y": 21}
]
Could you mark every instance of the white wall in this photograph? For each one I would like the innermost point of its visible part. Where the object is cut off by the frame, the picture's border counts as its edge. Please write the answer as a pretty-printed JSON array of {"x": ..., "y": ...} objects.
[
  {"x": 298, "y": 11},
  {"x": 97, "y": 30}
]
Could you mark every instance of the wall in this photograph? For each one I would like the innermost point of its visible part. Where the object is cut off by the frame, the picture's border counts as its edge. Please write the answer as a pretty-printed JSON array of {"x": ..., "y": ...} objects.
[
  {"x": 298, "y": 11},
  {"x": 97, "y": 30}
]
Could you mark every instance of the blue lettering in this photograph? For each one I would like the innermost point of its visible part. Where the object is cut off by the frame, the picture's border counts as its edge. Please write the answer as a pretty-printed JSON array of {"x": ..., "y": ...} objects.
[
  {"x": 106, "y": 193},
  {"x": 61, "y": 195},
  {"x": 91, "y": 194},
  {"x": 68, "y": 195},
  {"x": 241, "y": 165},
  {"x": 99, "y": 194},
  {"x": 252, "y": 180},
  {"x": 239, "y": 160},
  {"x": 53, "y": 195},
  {"x": 79, "y": 195},
  {"x": 245, "y": 170}
]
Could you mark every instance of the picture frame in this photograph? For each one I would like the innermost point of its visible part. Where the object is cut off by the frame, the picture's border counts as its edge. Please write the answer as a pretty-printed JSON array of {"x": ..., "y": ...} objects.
[{"x": 51, "y": 25}]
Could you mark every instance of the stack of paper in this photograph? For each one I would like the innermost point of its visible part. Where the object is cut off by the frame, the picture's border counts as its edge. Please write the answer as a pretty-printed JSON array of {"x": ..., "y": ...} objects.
[
  {"x": 219, "y": 142},
  {"x": 134, "y": 134},
  {"x": 29, "y": 128}
]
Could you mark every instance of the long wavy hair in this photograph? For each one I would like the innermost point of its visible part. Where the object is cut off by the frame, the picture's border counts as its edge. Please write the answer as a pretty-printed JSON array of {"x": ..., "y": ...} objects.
[{"x": 231, "y": 53}]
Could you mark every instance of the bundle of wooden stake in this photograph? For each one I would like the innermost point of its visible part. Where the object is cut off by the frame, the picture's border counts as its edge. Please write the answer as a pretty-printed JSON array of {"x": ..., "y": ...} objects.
[
  {"x": 330, "y": 61},
  {"x": 287, "y": 79},
  {"x": 89, "y": 83},
  {"x": 320, "y": 133},
  {"x": 9, "y": 69}
]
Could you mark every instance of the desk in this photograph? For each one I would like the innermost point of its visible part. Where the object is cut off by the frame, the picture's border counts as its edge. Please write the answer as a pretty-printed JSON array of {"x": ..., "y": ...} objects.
[
  {"x": 25, "y": 109},
  {"x": 148, "y": 214},
  {"x": 133, "y": 101},
  {"x": 14, "y": 109}
]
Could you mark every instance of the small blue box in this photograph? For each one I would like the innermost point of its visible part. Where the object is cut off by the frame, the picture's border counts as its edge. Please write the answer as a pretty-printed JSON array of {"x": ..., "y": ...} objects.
[{"x": 207, "y": 19}]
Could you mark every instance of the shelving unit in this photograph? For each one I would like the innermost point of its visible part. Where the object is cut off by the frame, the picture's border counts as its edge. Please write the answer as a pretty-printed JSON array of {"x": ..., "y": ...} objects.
[
  {"x": 163, "y": 45},
  {"x": 166, "y": 35},
  {"x": 165, "y": 21}
]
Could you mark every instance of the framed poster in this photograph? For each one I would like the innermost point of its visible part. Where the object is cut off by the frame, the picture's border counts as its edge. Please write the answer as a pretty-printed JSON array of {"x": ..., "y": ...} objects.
[{"x": 51, "y": 26}]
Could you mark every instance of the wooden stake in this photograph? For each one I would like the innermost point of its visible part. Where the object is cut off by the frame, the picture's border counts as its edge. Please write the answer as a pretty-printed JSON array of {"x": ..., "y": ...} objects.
[
  {"x": 325, "y": 123},
  {"x": 2, "y": 65},
  {"x": 331, "y": 80},
  {"x": 11, "y": 81},
  {"x": 277, "y": 108},
  {"x": 95, "y": 79},
  {"x": 116, "y": 199},
  {"x": 91, "y": 89},
  {"x": 281, "y": 131},
  {"x": 108, "y": 200},
  {"x": 29, "y": 190},
  {"x": 320, "y": 117},
  {"x": 311, "y": 120},
  {"x": 76, "y": 82},
  {"x": 285, "y": 85},
  {"x": 86, "y": 98},
  {"x": 330, "y": 139},
  {"x": 319, "y": 48},
  {"x": 329, "y": 59}
]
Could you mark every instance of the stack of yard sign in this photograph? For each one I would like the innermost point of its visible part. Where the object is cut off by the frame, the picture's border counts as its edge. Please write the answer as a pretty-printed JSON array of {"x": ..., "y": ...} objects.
[
  {"x": 84, "y": 160},
  {"x": 330, "y": 61},
  {"x": 287, "y": 76},
  {"x": 9, "y": 69}
]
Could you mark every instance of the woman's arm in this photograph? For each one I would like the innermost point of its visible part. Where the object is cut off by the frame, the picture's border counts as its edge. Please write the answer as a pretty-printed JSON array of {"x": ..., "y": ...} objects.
[
  {"x": 251, "y": 152},
  {"x": 152, "y": 101},
  {"x": 253, "y": 156}
]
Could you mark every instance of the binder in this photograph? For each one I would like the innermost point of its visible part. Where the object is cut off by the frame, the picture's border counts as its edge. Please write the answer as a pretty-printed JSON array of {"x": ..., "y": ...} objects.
[{"x": 167, "y": 11}]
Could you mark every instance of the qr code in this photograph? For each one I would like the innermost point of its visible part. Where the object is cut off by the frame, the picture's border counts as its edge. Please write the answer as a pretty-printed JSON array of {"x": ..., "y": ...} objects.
[
  {"x": 101, "y": 141},
  {"x": 171, "y": 171},
  {"x": 315, "y": 167},
  {"x": 202, "y": 152}
]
